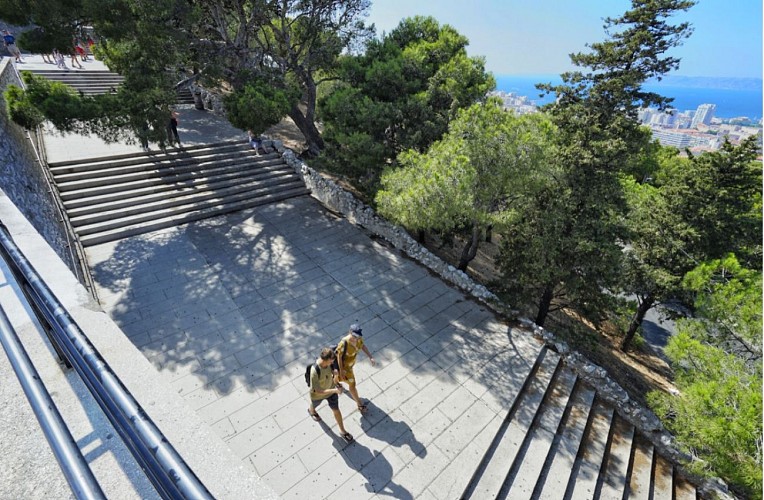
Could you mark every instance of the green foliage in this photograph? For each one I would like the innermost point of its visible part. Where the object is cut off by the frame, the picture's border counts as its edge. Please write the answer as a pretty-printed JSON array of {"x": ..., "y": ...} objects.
[
  {"x": 697, "y": 209},
  {"x": 124, "y": 116},
  {"x": 718, "y": 195},
  {"x": 21, "y": 110},
  {"x": 581, "y": 217},
  {"x": 258, "y": 105},
  {"x": 716, "y": 356},
  {"x": 56, "y": 22},
  {"x": 472, "y": 178},
  {"x": 402, "y": 93}
]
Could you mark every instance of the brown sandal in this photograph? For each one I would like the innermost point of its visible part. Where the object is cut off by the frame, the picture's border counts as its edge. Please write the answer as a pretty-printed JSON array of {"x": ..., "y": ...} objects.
[{"x": 314, "y": 416}]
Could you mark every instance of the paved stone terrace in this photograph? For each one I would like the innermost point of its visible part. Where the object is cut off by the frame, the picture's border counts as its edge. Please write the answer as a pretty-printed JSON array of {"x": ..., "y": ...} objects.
[{"x": 231, "y": 309}]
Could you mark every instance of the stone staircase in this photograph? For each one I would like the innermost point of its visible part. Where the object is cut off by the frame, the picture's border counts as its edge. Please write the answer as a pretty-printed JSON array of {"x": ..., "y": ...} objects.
[
  {"x": 560, "y": 441},
  {"x": 85, "y": 81},
  {"x": 98, "y": 82},
  {"x": 184, "y": 96},
  {"x": 114, "y": 197}
]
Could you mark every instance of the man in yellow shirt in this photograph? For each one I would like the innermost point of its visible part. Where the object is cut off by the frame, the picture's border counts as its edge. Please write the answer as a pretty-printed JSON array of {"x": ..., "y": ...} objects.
[
  {"x": 347, "y": 350},
  {"x": 322, "y": 387}
]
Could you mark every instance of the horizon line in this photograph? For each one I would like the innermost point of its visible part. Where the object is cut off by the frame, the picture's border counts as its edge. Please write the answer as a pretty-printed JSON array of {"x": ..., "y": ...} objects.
[{"x": 557, "y": 75}]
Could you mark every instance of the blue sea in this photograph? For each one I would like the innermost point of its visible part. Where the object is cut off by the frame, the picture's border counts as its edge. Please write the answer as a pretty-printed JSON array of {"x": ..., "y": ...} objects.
[{"x": 730, "y": 102}]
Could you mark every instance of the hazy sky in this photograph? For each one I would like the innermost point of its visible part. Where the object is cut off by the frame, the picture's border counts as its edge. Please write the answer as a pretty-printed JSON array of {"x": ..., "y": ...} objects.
[{"x": 522, "y": 37}]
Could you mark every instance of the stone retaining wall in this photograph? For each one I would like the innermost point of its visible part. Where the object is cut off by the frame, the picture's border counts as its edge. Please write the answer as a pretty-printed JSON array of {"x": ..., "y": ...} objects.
[
  {"x": 332, "y": 196},
  {"x": 21, "y": 176}
]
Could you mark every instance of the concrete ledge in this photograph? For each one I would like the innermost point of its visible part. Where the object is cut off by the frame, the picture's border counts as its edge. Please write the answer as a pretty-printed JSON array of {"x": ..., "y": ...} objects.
[{"x": 206, "y": 454}]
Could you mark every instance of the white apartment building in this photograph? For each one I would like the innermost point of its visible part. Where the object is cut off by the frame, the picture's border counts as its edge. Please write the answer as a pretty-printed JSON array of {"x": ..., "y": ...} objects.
[{"x": 703, "y": 115}]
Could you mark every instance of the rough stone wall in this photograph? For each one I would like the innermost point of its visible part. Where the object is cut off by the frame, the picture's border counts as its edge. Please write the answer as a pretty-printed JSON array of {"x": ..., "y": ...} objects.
[
  {"x": 212, "y": 102},
  {"x": 331, "y": 195},
  {"x": 21, "y": 177}
]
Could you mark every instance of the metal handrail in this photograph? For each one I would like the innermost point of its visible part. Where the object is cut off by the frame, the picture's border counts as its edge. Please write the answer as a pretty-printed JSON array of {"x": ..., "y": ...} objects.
[
  {"x": 166, "y": 469},
  {"x": 64, "y": 447},
  {"x": 73, "y": 243}
]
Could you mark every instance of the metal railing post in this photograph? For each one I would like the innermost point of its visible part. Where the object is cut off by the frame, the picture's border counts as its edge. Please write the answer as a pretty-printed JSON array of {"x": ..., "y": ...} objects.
[
  {"x": 162, "y": 464},
  {"x": 64, "y": 447}
]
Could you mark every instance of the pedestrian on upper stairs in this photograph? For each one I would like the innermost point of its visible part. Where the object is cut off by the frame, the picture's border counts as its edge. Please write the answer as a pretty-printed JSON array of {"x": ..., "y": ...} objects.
[
  {"x": 323, "y": 387},
  {"x": 347, "y": 350},
  {"x": 254, "y": 141},
  {"x": 91, "y": 45},
  {"x": 73, "y": 53},
  {"x": 80, "y": 50},
  {"x": 59, "y": 58},
  {"x": 173, "y": 127},
  {"x": 10, "y": 44}
]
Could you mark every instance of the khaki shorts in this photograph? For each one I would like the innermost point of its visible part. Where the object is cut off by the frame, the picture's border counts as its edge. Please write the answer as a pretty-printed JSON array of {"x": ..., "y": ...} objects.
[{"x": 15, "y": 52}]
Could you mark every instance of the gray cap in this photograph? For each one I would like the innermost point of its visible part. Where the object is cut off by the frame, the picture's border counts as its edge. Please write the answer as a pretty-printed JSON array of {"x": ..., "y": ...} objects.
[{"x": 356, "y": 330}]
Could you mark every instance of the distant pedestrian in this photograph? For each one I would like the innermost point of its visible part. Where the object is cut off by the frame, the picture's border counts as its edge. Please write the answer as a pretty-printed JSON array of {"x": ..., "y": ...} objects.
[
  {"x": 75, "y": 62},
  {"x": 323, "y": 387},
  {"x": 59, "y": 58},
  {"x": 254, "y": 141},
  {"x": 91, "y": 45},
  {"x": 173, "y": 127},
  {"x": 10, "y": 43},
  {"x": 347, "y": 350},
  {"x": 80, "y": 50}
]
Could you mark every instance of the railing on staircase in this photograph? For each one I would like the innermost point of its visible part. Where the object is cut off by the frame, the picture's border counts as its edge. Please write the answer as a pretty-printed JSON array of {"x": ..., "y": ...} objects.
[
  {"x": 164, "y": 467},
  {"x": 74, "y": 466},
  {"x": 73, "y": 244}
]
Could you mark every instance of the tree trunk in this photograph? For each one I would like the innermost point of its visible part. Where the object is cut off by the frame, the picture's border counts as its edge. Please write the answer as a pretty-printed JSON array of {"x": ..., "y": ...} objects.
[
  {"x": 544, "y": 303},
  {"x": 489, "y": 234},
  {"x": 470, "y": 249},
  {"x": 420, "y": 236},
  {"x": 636, "y": 321},
  {"x": 308, "y": 128}
]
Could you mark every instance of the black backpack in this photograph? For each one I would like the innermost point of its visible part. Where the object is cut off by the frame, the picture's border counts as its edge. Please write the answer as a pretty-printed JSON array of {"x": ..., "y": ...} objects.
[
  {"x": 335, "y": 366},
  {"x": 307, "y": 372}
]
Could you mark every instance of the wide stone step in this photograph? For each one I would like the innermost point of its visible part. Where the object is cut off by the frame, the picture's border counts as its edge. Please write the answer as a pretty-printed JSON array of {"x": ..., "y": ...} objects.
[
  {"x": 189, "y": 206},
  {"x": 589, "y": 462},
  {"x": 165, "y": 175},
  {"x": 640, "y": 485},
  {"x": 183, "y": 218},
  {"x": 663, "y": 479},
  {"x": 453, "y": 480},
  {"x": 84, "y": 82},
  {"x": 107, "y": 160},
  {"x": 683, "y": 489},
  {"x": 568, "y": 442},
  {"x": 162, "y": 164},
  {"x": 145, "y": 206},
  {"x": 184, "y": 96},
  {"x": 495, "y": 466},
  {"x": 74, "y": 74},
  {"x": 166, "y": 183},
  {"x": 616, "y": 470},
  {"x": 528, "y": 468},
  {"x": 191, "y": 182}
]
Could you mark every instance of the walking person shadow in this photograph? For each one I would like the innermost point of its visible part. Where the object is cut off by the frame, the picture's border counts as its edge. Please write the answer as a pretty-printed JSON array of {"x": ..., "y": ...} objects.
[
  {"x": 379, "y": 425},
  {"x": 372, "y": 465}
]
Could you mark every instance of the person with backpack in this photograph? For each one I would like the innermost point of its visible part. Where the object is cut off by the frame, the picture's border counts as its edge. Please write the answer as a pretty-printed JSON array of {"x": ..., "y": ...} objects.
[
  {"x": 347, "y": 350},
  {"x": 322, "y": 387}
]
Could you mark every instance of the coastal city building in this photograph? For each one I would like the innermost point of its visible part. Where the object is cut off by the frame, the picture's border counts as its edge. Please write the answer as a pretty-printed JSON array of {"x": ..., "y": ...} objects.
[
  {"x": 520, "y": 104},
  {"x": 695, "y": 130},
  {"x": 703, "y": 115}
]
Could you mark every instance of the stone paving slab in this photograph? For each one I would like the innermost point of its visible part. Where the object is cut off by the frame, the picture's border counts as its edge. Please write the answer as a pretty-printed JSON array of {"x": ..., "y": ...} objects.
[{"x": 246, "y": 300}]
